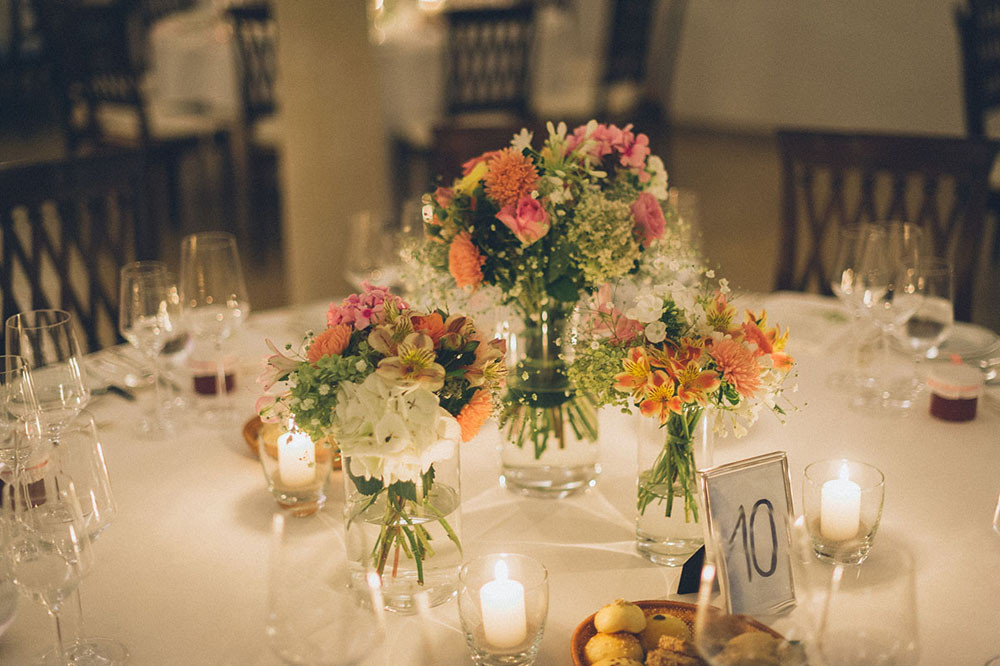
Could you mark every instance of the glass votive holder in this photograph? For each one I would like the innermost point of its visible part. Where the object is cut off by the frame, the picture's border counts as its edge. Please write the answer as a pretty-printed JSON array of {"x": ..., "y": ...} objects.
[
  {"x": 297, "y": 469},
  {"x": 842, "y": 501},
  {"x": 503, "y": 600}
]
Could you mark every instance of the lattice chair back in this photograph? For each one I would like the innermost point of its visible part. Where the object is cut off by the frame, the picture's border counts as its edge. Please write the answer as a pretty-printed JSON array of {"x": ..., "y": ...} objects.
[
  {"x": 831, "y": 180},
  {"x": 67, "y": 227},
  {"x": 488, "y": 59},
  {"x": 255, "y": 36}
]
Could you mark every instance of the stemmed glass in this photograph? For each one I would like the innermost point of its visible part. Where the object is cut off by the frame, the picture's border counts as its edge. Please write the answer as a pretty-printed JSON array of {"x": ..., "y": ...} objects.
[
  {"x": 214, "y": 298},
  {"x": 46, "y": 543},
  {"x": 931, "y": 324},
  {"x": 148, "y": 318},
  {"x": 887, "y": 286},
  {"x": 47, "y": 342},
  {"x": 17, "y": 398},
  {"x": 843, "y": 282},
  {"x": 313, "y": 614},
  {"x": 870, "y": 614}
]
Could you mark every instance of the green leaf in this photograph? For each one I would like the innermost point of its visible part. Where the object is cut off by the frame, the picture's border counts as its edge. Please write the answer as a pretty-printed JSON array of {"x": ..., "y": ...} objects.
[
  {"x": 371, "y": 486},
  {"x": 564, "y": 289},
  {"x": 559, "y": 262}
]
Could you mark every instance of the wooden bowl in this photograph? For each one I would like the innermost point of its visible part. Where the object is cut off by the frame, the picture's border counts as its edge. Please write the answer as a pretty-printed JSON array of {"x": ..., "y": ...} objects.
[
  {"x": 679, "y": 609},
  {"x": 255, "y": 431}
]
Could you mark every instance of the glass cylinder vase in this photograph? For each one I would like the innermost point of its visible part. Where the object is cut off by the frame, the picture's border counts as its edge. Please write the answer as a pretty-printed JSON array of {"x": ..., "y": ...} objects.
[
  {"x": 409, "y": 532},
  {"x": 550, "y": 429},
  {"x": 668, "y": 527}
]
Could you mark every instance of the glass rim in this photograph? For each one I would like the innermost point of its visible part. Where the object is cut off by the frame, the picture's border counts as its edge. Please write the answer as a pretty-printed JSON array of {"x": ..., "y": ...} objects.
[
  {"x": 463, "y": 571},
  {"x": 209, "y": 238},
  {"x": 22, "y": 364},
  {"x": 144, "y": 267},
  {"x": 62, "y": 316},
  {"x": 842, "y": 461}
]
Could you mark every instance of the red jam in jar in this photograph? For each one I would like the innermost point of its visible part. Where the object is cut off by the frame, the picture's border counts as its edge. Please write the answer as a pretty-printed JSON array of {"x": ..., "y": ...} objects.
[{"x": 955, "y": 391}]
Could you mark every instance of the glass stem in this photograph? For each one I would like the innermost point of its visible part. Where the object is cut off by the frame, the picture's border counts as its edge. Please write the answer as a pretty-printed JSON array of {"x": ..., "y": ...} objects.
[
  {"x": 60, "y": 648},
  {"x": 157, "y": 392},
  {"x": 220, "y": 378}
]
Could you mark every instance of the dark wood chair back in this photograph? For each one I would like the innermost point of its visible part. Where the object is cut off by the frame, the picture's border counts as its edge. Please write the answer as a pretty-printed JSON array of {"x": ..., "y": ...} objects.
[
  {"x": 831, "y": 180},
  {"x": 255, "y": 36},
  {"x": 628, "y": 41},
  {"x": 979, "y": 36},
  {"x": 488, "y": 59},
  {"x": 66, "y": 227}
]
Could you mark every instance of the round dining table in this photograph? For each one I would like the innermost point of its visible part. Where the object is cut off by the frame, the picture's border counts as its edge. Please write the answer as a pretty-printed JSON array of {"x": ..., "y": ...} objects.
[{"x": 180, "y": 576}]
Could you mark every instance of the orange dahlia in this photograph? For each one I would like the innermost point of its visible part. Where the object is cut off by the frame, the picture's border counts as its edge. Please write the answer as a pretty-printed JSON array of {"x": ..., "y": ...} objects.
[
  {"x": 472, "y": 417},
  {"x": 464, "y": 261},
  {"x": 511, "y": 176},
  {"x": 737, "y": 366},
  {"x": 333, "y": 340}
]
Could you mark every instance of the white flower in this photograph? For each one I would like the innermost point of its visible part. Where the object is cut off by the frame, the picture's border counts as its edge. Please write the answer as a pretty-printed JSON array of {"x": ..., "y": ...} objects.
[
  {"x": 656, "y": 331},
  {"x": 427, "y": 213},
  {"x": 647, "y": 308},
  {"x": 710, "y": 274},
  {"x": 391, "y": 433},
  {"x": 522, "y": 140},
  {"x": 361, "y": 366},
  {"x": 324, "y": 389},
  {"x": 724, "y": 286},
  {"x": 657, "y": 185}
]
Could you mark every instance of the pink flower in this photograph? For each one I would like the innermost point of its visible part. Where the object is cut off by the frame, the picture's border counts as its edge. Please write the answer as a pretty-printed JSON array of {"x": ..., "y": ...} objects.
[
  {"x": 634, "y": 151},
  {"x": 737, "y": 366},
  {"x": 276, "y": 367},
  {"x": 443, "y": 196},
  {"x": 649, "y": 220},
  {"x": 528, "y": 220},
  {"x": 365, "y": 309}
]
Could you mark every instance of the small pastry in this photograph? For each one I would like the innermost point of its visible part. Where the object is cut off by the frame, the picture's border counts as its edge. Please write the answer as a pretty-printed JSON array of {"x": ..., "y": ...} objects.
[
  {"x": 620, "y": 615},
  {"x": 753, "y": 648},
  {"x": 673, "y": 651},
  {"x": 663, "y": 624},
  {"x": 618, "y": 661},
  {"x": 607, "y": 646}
]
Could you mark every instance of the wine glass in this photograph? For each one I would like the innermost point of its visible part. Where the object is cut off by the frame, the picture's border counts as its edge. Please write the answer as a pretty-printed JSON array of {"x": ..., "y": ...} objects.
[
  {"x": 722, "y": 635},
  {"x": 79, "y": 456},
  {"x": 46, "y": 546},
  {"x": 148, "y": 318},
  {"x": 845, "y": 284},
  {"x": 313, "y": 614},
  {"x": 887, "y": 286},
  {"x": 371, "y": 256},
  {"x": 870, "y": 614},
  {"x": 47, "y": 342},
  {"x": 931, "y": 324},
  {"x": 215, "y": 302},
  {"x": 17, "y": 398}
]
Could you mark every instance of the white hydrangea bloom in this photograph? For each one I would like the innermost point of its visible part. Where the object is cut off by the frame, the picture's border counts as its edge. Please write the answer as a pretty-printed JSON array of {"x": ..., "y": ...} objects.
[
  {"x": 647, "y": 307},
  {"x": 656, "y": 331},
  {"x": 657, "y": 185}
]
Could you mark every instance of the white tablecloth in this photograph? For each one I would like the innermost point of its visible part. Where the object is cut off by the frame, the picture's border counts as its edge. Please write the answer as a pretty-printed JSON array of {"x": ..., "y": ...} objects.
[{"x": 180, "y": 573}]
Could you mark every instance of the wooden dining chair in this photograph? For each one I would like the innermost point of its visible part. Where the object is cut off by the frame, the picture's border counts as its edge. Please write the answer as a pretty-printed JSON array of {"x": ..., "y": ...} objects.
[
  {"x": 832, "y": 179},
  {"x": 66, "y": 228},
  {"x": 106, "y": 106},
  {"x": 486, "y": 92},
  {"x": 256, "y": 135}
]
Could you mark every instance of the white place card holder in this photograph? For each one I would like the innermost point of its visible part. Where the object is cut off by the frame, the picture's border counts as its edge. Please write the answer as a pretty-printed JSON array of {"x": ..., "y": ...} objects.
[{"x": 748, "y": 509}]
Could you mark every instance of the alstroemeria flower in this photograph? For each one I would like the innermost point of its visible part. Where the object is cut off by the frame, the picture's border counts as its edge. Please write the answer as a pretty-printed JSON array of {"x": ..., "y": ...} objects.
[
  {"x": 528, "y": 220},
  {"x": 637, "y": 376},
  {"x": 661, "y": 398},
  {"x": 485, "y": 366},
  {"x": 719, "y": 314},
  {"x": 414, "y": 363},
  {"x": 276, "y": 367},
  {"x": 694, "y": 383}
]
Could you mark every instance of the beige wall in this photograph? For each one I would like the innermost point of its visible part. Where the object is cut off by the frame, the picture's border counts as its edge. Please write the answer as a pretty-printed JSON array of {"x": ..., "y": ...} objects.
[
  {"x": 888, "y": 65},
  {"x": 333, "y": 159}
]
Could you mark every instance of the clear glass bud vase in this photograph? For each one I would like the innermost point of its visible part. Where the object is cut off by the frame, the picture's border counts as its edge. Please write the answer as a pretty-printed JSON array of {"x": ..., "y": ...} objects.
[
  {"x": 550, "y": 429},
  {"x": 668, "y": 522},
  {"x": 409, "y": 532}
]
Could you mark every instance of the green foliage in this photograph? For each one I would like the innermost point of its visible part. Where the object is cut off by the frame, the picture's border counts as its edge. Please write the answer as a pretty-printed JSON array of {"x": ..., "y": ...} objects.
[{"x": 593, "y": 372}]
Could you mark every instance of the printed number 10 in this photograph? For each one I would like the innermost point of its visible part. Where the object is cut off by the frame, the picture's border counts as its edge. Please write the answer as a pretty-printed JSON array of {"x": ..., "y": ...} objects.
[{"x": 750, "y": 548}]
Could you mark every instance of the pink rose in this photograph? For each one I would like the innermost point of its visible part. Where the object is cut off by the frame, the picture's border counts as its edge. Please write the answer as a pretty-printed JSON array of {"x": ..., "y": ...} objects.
[
  {"x": 528, "y": 220},
  {"x": 649, "y": 221}
]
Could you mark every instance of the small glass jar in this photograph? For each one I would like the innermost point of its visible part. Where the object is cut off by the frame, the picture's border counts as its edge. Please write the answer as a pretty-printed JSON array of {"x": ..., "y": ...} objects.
[{"x": 955, "y": 391}]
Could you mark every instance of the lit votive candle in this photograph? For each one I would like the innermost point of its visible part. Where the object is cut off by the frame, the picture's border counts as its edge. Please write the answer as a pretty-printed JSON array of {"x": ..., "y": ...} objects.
[
  {"x": 296, "y": 459},
  {"x": 502, "y": 601},
  {"x": 840, "y": 508}
]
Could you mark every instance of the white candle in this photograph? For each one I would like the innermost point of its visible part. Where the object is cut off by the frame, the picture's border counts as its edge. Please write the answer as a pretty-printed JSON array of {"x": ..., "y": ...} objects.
[
  {"x": 840, "y": 508},
  {"x": 296, "y": 459},
  {"x": 502, "y": 603}
]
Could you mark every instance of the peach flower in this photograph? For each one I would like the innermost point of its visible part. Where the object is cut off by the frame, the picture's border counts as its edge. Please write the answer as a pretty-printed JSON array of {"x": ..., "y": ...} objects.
[
  {"x": 472, "y": 417},
  {"x": 528, "y": 220},
  {"x": 737, "y": 366},
  {"x": 511, "y": 177},
  {"x": 464, "y": 261},
  {"x": 333, "y": 340}
]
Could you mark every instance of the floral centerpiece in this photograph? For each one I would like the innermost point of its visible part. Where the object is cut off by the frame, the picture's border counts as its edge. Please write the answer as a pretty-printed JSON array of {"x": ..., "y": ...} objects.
[
  {"x": 677, "y": 352},
  {"x": 543, "y": 226},
  {"x": 398, "y": 391}
]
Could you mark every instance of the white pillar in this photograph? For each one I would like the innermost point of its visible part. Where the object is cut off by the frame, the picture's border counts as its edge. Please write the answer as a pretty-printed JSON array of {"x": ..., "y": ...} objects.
[{"x": 333, "y": 161}]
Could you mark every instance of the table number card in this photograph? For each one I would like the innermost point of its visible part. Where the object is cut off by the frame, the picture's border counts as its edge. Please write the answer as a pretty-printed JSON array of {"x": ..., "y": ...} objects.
[{"x": 748, "y": 508}]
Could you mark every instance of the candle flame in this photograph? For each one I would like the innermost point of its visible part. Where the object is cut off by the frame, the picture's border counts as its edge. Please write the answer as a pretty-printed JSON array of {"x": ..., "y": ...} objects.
[
  {"x": 845, "y": 473},
  {"x": 500, "y": 570}
]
